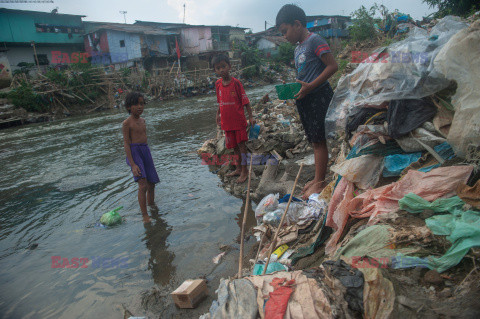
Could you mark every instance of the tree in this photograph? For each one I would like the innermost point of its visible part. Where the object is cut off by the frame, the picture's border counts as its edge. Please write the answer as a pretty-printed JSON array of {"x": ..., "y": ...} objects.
[{"x": 453, "y": 7}]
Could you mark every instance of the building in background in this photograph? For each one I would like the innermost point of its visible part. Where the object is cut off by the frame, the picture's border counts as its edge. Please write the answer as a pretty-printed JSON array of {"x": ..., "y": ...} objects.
[
  {"x": 329, "y": 26},
  {"x": 125, "y": 45},
  {"x": 198, "y": 43},
  {"x": 24, "y": 32}
]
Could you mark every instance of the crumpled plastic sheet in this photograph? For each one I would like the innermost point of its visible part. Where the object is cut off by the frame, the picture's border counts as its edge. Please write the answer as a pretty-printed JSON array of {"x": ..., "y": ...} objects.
[
  {"x": 413, "y": 203},
  {"x": 440, "y": 182},
  {"x": 426, "y": 134},
  {"x": 403, "y": 116},
  {"x": 364, "y": 171},
  {"x": 407, "y": 73},
  {"x": 237, "y": 299},
  {"x": 462, "y": 228},
  {"x": 459, "y": 60},
  {"x": 310, "y": 299},
  {"x": 393, "y": 165}
]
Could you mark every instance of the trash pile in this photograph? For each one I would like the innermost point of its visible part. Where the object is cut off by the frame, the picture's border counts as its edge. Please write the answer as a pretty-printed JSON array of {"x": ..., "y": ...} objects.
[
  {"x": 397, "y": 228},
  {"x": 281, "y": 142}
]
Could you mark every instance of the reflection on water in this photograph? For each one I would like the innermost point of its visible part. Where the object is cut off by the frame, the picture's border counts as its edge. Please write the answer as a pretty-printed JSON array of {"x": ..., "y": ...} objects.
[
  {"x": 160, "y": 261},
  {"x": 57, "y": 180}
]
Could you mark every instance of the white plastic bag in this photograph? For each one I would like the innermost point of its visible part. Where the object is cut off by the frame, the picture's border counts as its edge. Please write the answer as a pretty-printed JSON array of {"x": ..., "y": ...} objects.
[{"x": 268, "y": 204}]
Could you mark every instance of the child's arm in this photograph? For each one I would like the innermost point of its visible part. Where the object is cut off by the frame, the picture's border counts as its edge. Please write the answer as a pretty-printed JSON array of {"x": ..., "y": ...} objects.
[
  {"x": 218, "y": 116},
  {"x": 126, "y": 145},
  {"x": 330, "y": 69},
  {"x": 251, "y": 120}
]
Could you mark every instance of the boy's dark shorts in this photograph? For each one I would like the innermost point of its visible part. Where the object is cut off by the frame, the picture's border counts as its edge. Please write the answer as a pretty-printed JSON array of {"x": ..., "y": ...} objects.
[{"x": 312, "y": 110}]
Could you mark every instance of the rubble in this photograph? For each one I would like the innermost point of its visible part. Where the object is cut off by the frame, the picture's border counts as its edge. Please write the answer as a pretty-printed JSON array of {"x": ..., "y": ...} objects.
[{"x": 407, "y": 224}]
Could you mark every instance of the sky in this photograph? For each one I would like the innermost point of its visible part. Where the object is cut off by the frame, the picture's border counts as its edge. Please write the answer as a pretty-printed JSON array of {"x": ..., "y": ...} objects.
[{"x": 243, "y": 13}]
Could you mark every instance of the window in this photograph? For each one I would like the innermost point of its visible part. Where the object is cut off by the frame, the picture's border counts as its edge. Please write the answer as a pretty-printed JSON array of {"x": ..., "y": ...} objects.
[
  {"x": 42, "y": 59},
  {"x": 122, "y": 43}
]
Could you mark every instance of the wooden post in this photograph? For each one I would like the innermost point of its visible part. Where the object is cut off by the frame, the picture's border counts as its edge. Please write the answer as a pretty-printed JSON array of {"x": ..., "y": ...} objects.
[
  {"x": 244, "y": 222},
  {"x": 35, "y": 54}
]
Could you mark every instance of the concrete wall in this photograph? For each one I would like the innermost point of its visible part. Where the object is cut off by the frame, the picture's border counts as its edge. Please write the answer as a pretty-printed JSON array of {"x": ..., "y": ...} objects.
[
  {"x": 196, "y": 40},
  {"x": 20, "y": 27},
  {"x": 16, "y": 55},
  {"x": 131, "y": 51}
]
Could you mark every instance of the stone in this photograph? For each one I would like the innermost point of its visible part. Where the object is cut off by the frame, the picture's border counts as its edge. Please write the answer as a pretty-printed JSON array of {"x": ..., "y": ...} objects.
[
  {"x": 433, "y": 277},
  {"x": 445, "y": 293}
]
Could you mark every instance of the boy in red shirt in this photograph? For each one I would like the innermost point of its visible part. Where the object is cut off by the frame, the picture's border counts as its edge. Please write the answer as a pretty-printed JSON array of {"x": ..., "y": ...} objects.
[{"x": 232, "y": 99}]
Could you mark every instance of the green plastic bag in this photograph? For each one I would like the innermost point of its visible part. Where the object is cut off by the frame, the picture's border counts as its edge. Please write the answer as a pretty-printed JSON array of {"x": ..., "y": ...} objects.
[
  {"x": 112, "y": 217},
  {"x": 415, "y": 204},
  {"x": 462, "y": 228}
]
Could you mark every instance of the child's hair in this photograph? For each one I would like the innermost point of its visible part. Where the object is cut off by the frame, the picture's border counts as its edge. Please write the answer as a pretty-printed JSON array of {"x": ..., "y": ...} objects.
[
  {"x": 289, "y": 13},
  {"x": 132, "y": 99},
  {"x": 219, "y": 58}
]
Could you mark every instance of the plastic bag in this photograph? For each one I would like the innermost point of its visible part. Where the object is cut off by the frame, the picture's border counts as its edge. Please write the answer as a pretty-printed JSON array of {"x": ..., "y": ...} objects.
[
  {"x": 406, "y": 71},
  {"x": 459, "y": 60},
  {"x": 364, "y": 171},
  {"x": 112, "y": 217},
  {"x": 268, "y": 204},
  {"x": 403, "y": 116},
  {"x": 296, "y": 212}
]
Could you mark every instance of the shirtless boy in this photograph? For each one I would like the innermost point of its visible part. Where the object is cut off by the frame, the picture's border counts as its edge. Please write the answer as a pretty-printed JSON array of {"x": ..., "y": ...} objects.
[{"x": 138, "y": 153}]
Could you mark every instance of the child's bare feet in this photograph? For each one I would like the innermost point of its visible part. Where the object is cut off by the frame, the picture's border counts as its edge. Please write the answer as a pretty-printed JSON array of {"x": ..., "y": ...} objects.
[
  {"x": 315, "y": 187},
  {"x": 236, "y": 172},
  {"x": 243, "y": 176},
  {"x": 307, "y": 185},
  {"x": 146, "y": 218}
]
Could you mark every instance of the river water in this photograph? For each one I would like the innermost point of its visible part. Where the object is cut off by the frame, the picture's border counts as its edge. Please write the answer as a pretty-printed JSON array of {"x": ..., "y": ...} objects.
[{"x": 57, "y": 180}]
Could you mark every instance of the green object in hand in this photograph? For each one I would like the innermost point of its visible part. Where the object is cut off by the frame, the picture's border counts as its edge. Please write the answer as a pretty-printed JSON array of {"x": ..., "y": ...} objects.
[
  {"x": 112, "y": 217},
  {"x": 287, "y": 91}
]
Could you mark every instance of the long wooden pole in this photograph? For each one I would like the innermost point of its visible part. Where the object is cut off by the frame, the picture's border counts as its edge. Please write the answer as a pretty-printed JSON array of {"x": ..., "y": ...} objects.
[
  {"x": 244, "y": 222},
  {"x": 272, "y": 247}
]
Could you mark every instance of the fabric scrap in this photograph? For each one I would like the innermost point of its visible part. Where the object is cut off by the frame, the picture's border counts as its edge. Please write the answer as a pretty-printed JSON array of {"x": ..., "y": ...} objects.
[{"x": 470, "y": 195}]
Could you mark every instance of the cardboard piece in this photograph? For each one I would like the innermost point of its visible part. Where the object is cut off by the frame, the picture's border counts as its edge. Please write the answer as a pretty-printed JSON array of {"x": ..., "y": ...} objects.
[{"x": 190, "y": 293}]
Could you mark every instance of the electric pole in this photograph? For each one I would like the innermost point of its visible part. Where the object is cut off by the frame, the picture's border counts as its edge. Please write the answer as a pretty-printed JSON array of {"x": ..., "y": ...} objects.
[
  {"x": 184, "y": 13},
  {"x": 124, "y": 15}
]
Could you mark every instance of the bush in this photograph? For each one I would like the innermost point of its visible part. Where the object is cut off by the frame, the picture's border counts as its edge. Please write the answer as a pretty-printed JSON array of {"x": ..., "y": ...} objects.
[
  {"x": 363, "y": 23},
  {"x": 250, "y": 57},
  {"x": 285, "y": 53},
  {"x": 25, "y": 97}
]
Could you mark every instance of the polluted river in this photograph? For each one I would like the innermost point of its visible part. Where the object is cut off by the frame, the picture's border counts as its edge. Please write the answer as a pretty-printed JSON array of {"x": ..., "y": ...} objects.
[{"x": 57, "y": 180}]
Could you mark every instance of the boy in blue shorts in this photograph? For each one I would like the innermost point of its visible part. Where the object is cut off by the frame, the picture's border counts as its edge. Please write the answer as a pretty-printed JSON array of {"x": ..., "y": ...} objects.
[
  {"x": 315, "y": 64},
  {"x": 138, "y": 154}
]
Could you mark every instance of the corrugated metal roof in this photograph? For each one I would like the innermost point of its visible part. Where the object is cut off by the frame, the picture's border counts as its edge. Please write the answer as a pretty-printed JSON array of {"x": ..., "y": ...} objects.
[
  {"x": 130, "y": 28},
  {"x": 166, "y": 26}
]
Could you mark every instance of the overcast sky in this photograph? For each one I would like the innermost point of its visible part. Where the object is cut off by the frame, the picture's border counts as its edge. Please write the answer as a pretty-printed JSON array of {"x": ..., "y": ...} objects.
[{"x": 243, "y": 13}]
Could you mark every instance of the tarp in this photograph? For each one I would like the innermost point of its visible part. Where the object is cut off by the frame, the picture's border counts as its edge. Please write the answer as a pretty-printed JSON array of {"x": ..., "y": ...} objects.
[{"x": 407, "y": 72}]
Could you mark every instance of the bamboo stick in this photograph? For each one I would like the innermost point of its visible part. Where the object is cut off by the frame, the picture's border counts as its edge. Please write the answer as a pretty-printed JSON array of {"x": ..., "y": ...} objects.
[
  {"x": 244, "y": 222},
  {"x": 281, "y": 221}
]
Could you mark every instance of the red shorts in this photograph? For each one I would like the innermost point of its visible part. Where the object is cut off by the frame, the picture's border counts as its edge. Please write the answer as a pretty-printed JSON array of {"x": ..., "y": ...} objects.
[{"x": 233, "y": 138}]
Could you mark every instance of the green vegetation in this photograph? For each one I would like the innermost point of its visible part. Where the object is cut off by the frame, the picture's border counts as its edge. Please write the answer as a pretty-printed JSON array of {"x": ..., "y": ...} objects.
[
  {"x": 285, "y": 53},
  {"x": 24, "y": 96},
  {"x": 250, "y": 58},
  {"x": 461, "y": 8},
  {"x": 363, "y": 23}
]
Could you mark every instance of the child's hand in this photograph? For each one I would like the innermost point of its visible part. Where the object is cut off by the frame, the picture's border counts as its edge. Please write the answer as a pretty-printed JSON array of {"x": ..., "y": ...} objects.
[
  {"x": 251, "y": 121},
  {"x": 218, "y": 120},
  {"x": 306, "y": 88},
  {"x": 136, "y": 171}
]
